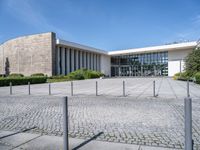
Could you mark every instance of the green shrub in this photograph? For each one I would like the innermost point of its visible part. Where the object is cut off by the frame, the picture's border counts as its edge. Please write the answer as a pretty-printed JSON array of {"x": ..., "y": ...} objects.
[
  {"x": 84, "y": 74},
  {"x": 192, "y": 61},
  {"x": 176, "y": 76},
  {"x": 197, "y": 77},
  {"x": 94, "y": 74},
  {"x": 37, "y": 74},
  {"x": 182, "y": 76},
  {"x": 79, "y": 76},
  {"x": 21, "y": 80},
  {"x": 1, "y": 75},
  {"x": 76, "y": 75},
  {"x": 16, "y": 75},
  {"x": 89, "y": 74},
  {"x": 58, "y": 77}
]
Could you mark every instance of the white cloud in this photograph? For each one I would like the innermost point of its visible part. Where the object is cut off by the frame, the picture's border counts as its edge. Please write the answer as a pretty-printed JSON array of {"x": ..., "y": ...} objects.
[{"x": 24, "y": 10}]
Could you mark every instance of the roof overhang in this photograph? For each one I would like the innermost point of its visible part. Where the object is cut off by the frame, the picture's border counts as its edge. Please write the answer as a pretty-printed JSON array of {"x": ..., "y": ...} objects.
[
  {"x": 80, "y": 46},
  {"x": 172, "y": 47}
]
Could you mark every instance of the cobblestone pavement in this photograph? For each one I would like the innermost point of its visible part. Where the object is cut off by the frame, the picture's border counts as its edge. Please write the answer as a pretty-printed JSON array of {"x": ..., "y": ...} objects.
[
  {"x": 134, "y": 87},
  {"x": 147, "y": 122},
  {"x": 135, "y": 119}
]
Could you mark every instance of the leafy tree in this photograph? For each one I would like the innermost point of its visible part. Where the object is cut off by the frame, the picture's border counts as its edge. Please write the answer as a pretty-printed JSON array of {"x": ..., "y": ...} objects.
[{"x": 192, "y": 62}]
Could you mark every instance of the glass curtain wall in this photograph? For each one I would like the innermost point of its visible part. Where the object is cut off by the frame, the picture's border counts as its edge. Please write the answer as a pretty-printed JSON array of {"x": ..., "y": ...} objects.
[{"x": 146, "y": 64}]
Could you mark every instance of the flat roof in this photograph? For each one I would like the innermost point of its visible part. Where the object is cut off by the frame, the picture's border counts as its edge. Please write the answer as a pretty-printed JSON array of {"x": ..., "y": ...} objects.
[
  {"x": 80, "y": 46},
  {"x": 169, "y": 47}
]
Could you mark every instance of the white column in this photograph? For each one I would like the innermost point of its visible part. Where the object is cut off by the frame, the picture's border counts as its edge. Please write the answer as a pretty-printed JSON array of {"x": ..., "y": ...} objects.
[
  {"x": 88, "y": 60},
  {"x": 81, "y": 60},
  {"x": 68, "y": 63},
  {"x": 72, "y": 59},
  {"x": 90, "y": 64},
  {"x": 77, "y": 61},
  {"x": 84, "y": 59},
  {"x": 58, "y": 61},
  {"x": 95, "y": 62},
  {"x": 63, "y": 60},
  {"x": 82, "y": 54},
  {"x": 92, "y": 61},
  {"x": 99, "y": 62}
]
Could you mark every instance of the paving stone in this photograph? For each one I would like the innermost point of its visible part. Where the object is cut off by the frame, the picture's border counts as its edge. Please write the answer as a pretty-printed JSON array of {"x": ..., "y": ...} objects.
[{"x": 138, "y": 119}]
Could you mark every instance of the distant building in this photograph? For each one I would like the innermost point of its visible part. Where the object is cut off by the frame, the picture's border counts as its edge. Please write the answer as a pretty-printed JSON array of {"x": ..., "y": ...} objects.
[{"x": 44, "y": 53}]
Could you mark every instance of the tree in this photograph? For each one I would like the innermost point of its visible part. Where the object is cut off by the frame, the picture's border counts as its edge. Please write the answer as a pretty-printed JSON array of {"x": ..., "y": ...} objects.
[
  {"x": 192, "y": 62},
  {"x": 7, "y": 67}
]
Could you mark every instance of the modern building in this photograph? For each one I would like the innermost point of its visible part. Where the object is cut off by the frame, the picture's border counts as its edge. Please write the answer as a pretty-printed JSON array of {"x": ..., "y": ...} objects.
[{"x": 44, "y": 53}]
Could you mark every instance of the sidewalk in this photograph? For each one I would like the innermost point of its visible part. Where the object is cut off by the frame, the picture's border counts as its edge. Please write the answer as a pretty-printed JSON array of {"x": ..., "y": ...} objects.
[{"x": 27, "y": 141}]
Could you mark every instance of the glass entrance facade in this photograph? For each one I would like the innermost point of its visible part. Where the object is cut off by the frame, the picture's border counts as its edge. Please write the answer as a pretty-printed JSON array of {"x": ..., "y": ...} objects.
[{"x": 146, "y": 64}]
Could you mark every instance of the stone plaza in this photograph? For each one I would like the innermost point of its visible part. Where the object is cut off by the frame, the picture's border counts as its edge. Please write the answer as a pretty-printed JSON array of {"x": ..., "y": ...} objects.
[{"x": 136, "y": 118}]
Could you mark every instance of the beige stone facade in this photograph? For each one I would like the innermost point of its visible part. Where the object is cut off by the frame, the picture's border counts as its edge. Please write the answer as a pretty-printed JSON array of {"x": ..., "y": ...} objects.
[{"x": 29, "y": 54}]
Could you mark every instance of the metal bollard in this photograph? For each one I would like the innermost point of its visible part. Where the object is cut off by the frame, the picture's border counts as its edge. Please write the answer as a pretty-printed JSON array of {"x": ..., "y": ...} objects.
[
  {"x": 72, "y": 89},
  {"x": 188, "y": 88},
  {"x": 49, "y": 88},
  {"x": 29, "y": 88},
  {"x": 96, "y": 88},
  {"x": 188, "y": 123},
  {"x": 154, "y": 88},
  {"x": 124, "y": 94},
  {"x": 10, "y": 88},
  {"x": 65, "y": 124}
]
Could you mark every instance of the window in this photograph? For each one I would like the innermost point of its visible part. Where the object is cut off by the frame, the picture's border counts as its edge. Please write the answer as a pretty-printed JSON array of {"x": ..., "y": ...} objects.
[{"x": 146, "y": 64}]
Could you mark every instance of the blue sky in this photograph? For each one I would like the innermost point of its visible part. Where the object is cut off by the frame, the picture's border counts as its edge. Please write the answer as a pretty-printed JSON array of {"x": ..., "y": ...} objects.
[{"x": 103, "y": 24}]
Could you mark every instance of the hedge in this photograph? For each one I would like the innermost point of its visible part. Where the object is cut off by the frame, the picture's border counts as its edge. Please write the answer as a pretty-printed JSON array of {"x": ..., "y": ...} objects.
[
  {"x": 16, "y": 75},
  {"x": 184, "y": 76},
  {"x": 197, "y": 77},
  {"x": 22, "y": 80},
  {"x": 18, "y": 79},
  {"x": 37, "y": 74},
  {"x": 84, "y": 74},
  {"x": 58, "y": 77}
]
